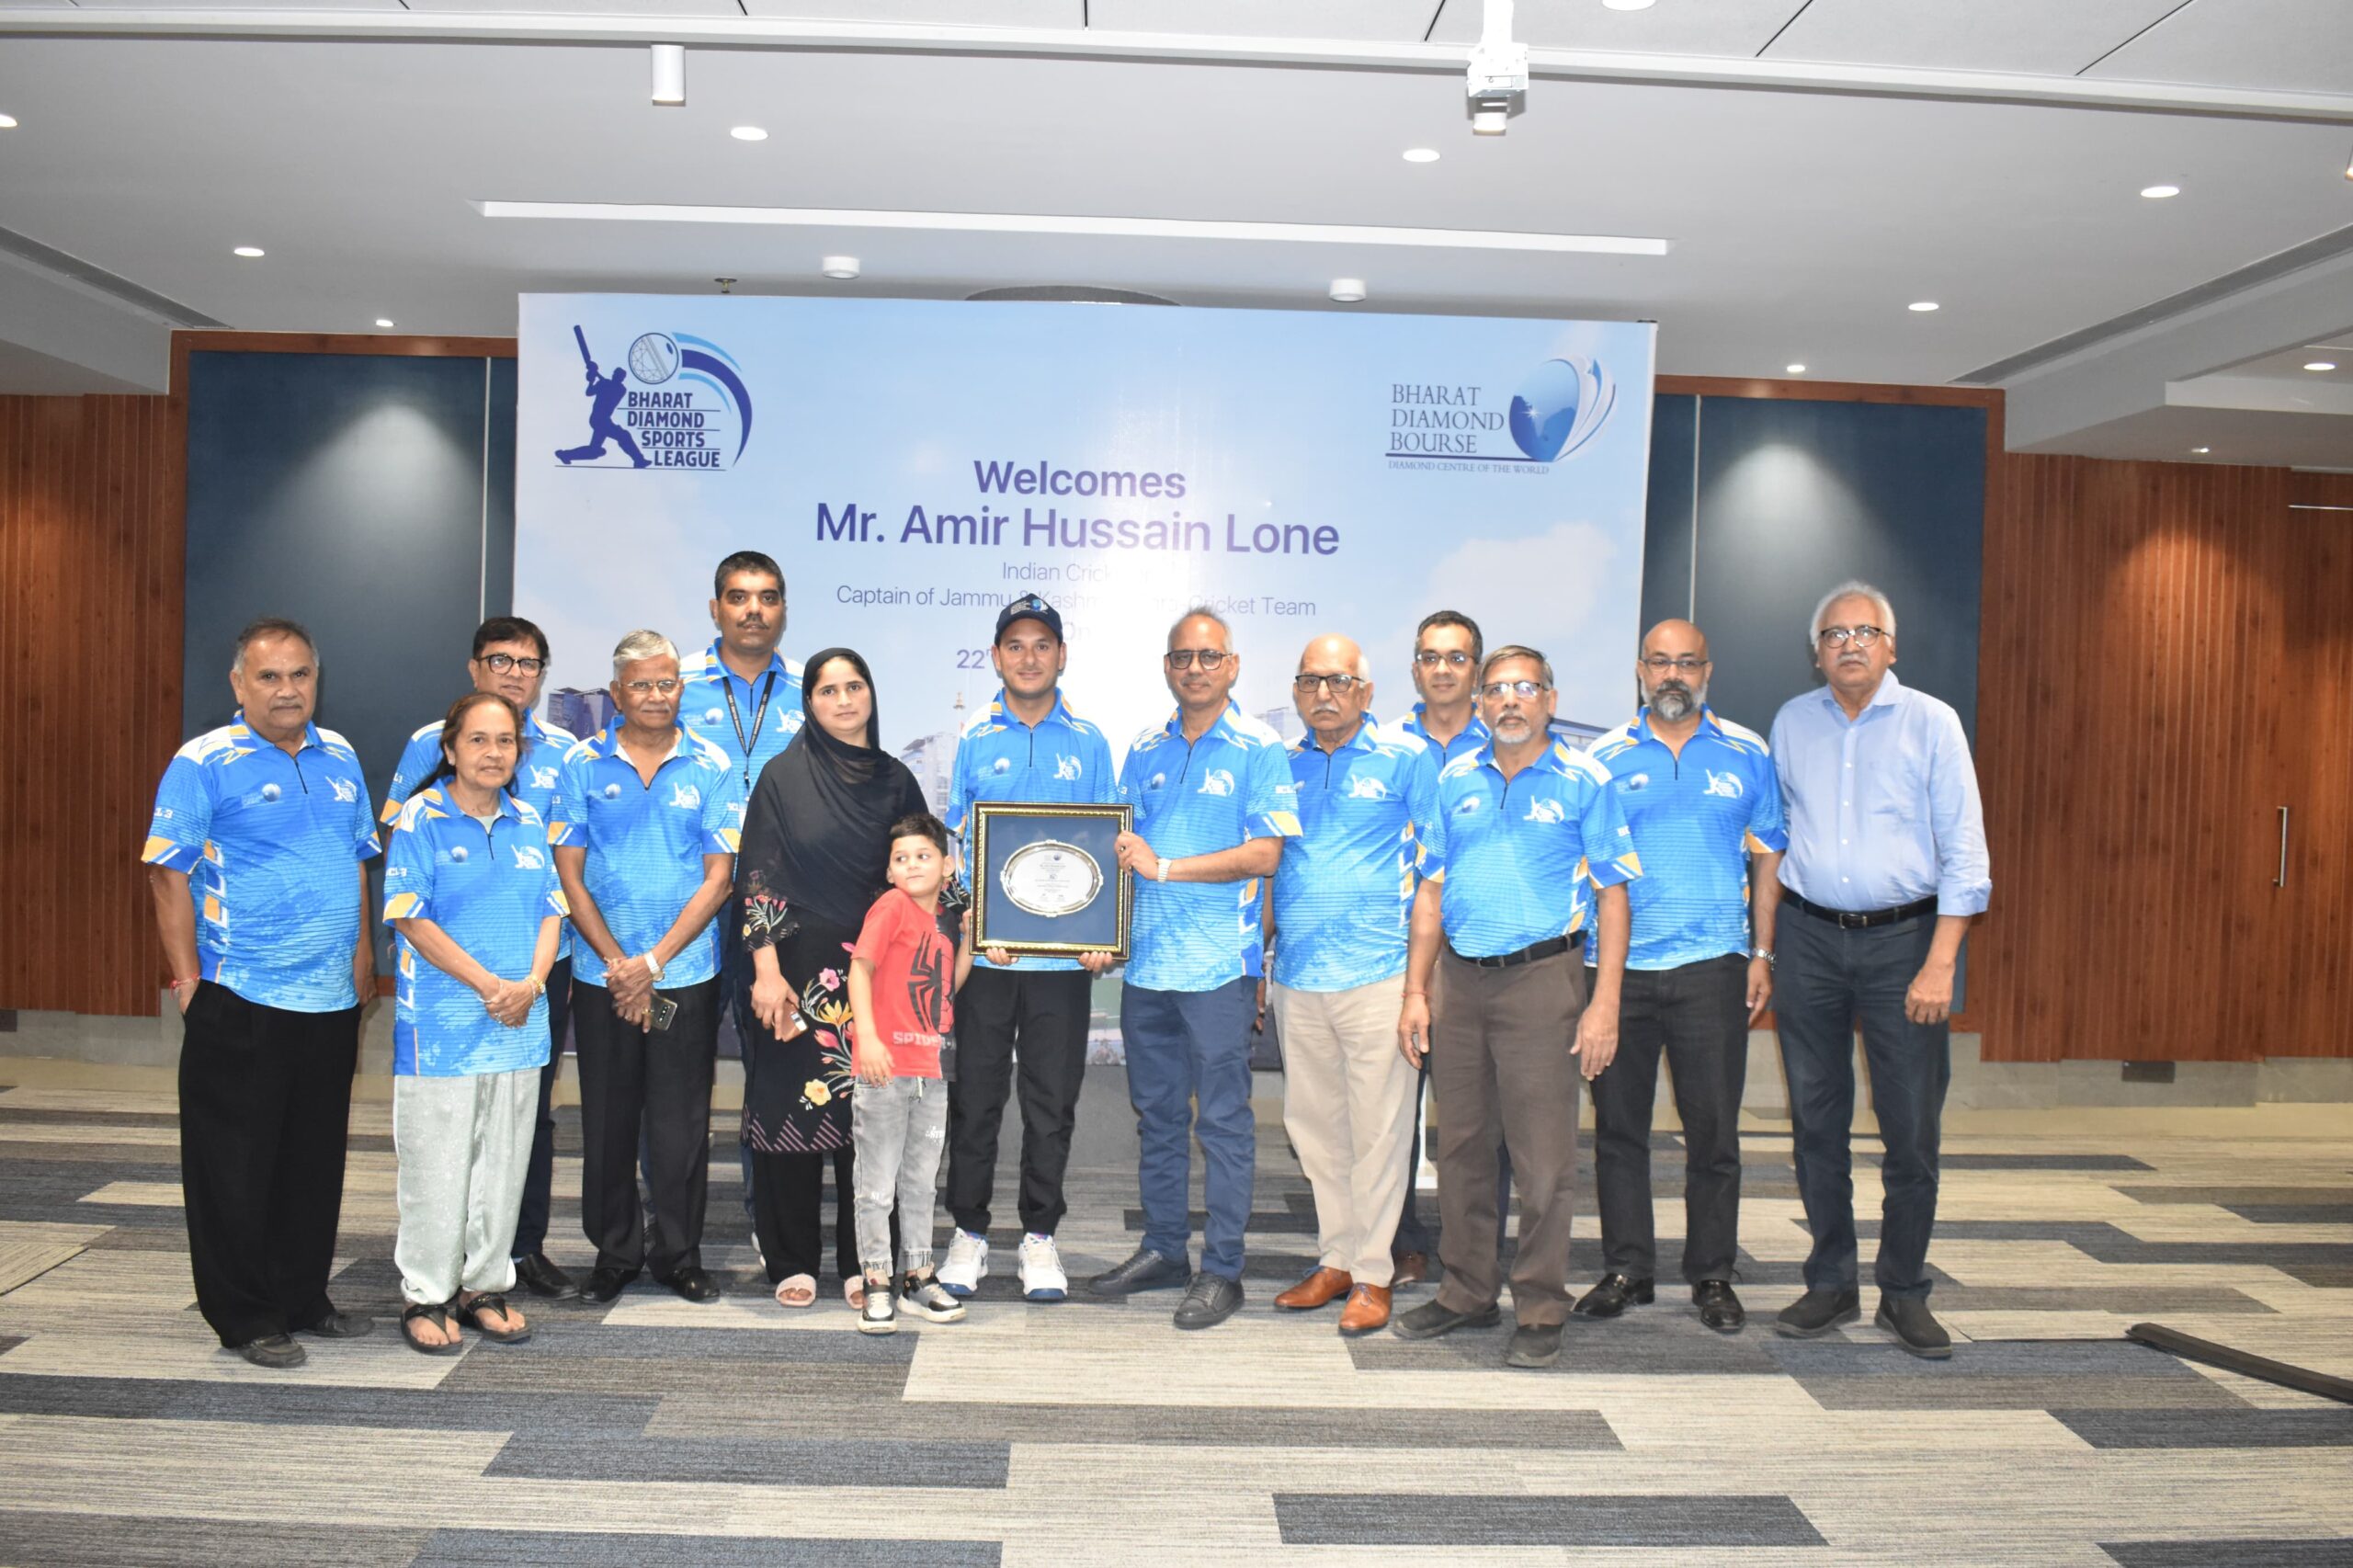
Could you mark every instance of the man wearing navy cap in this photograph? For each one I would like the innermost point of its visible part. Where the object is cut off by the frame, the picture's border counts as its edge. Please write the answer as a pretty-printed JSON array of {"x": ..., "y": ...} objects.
[{"x": 1025, "y": 745}]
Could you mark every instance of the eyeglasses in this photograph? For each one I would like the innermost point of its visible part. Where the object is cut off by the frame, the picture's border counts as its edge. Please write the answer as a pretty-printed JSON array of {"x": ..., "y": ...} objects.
[
  {"x": 501, "y": 663},
  {"x": 1840, "y": 636},
  {"x": 1341, "y": 686},
  {"x": 1182, "y": 658},
  {"x": 645, "y": 687},
  {"x": 1430, "y": 658},
  {"x": 1496, "y": 690},
  {"x": 1659, "y": 664}
]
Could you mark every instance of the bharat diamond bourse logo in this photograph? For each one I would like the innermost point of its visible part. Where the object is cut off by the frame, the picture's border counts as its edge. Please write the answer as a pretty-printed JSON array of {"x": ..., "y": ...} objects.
[
  {"x": 1558, "y": 407},
  {"x": 674, "y": 401},
  {"x": 1561, "y": 406}
]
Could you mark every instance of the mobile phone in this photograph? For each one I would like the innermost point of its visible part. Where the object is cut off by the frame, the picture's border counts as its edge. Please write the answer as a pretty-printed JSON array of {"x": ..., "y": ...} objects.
[{"x": 661, "y": 1013}]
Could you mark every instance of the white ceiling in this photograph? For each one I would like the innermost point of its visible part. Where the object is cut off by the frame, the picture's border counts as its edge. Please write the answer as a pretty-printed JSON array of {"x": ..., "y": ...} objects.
[{"x": 1801, "y": 223}]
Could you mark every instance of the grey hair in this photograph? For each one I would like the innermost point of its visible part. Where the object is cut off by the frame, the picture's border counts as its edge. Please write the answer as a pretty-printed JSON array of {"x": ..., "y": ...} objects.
[
  {"x": 1203, "y": 612},
  {"x": 1363, "y": 666},
  {"x": 1515, "y": 650},
  {"x": 1852, "y": 588},
  {"x": 641, "y": 645}
]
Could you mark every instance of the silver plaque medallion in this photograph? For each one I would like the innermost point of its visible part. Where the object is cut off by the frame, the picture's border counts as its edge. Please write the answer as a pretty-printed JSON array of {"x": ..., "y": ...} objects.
[{"x": 1051, "y": 877}]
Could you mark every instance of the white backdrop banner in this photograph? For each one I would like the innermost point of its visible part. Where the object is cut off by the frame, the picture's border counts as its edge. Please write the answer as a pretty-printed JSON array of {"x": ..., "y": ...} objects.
[{"x": 914, "y": 464}]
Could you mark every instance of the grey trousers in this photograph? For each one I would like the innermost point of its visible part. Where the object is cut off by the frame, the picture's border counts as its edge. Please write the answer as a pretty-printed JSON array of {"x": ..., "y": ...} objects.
[
  {"x": 465, "y": 1146},
  {"x": 900, "y": 1130}
]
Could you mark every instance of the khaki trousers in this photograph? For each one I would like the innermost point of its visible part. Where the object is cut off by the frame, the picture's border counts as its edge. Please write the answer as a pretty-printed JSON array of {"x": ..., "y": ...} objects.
[
  {"x": 1349, "y": 1107},
  {"x": 1500, "y": 1069}
]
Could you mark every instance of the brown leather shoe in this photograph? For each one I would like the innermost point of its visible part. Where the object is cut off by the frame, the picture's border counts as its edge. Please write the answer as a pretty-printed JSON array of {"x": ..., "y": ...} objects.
[
  {"x": 1367, "y": 1309},
  {"x": 1412, "y": 1269},
  {"x": 1323, "y": 1285}
]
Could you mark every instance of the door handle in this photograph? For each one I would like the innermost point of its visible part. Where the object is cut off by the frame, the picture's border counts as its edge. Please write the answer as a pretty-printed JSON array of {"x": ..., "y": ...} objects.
[{"x": 2281, "y": 880}]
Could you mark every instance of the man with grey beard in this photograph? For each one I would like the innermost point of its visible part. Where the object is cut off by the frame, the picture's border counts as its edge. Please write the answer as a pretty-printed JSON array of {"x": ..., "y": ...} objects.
[{"x": 1705, "y": 807}]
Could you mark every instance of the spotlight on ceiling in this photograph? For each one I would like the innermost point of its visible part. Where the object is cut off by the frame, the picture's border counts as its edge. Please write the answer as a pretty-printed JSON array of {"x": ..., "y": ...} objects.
[
  {"x": 2348, "y": 163},
  {"x": 669, "y": 75},
  {"x": 1797, "y": 369},
  {"x": 8, "y": 122},
  {"x": 1498, "y": 85},
  {"x": 1924, "y": 306},
  {"x": 1348, "y": 291},
  {"x": 2320, "y": 364},
  {"x": 1627, "y": 5},
  {"x": 2160, "y": 192},
  {"x": 840, "y": 268},
  {"x": 748, "y": 134},
  {"x": 1421, "y": 154},
  {"x": 384, "y": 321},
  {"x": 251, "y": 253},
  {"x": 2199, "y": 451}
]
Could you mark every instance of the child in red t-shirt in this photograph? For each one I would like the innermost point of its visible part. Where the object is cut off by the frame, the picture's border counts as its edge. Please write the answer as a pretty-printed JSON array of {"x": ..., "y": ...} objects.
[{"x": 903, "y": 979}]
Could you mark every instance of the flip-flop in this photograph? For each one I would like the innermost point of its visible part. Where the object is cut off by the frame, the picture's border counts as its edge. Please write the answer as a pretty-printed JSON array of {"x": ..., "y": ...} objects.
[
  {"x": 854, "y": 1291},
  {"x": 796, "y": 1290},
  {"x": 439, "y": 1314},
  {"x": 471, "y": 1315}
]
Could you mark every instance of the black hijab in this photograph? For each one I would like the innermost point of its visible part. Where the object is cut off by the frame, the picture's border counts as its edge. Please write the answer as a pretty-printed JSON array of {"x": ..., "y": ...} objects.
[{"x": 817, "y": 830}]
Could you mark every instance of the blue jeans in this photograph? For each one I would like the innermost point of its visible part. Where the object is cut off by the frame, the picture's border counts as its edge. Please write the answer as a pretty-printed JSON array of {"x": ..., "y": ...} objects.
[
  {"x": 1827, "y": 982},
  {"x": 1188, "y": 1072}
]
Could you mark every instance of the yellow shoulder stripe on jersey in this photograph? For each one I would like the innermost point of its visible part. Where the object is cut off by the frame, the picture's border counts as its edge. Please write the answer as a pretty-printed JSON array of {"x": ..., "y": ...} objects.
[{"x": 401, "y": 905}]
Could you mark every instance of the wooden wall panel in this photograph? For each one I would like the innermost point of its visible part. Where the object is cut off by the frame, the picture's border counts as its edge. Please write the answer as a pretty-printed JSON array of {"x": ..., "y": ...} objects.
[{"x": 91, "y": 568}]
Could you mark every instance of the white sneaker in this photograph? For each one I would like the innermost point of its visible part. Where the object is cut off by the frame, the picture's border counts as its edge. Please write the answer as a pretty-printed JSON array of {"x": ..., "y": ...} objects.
[
  {"x": 967, "y": 1264},
  {"x": 1042, "y": 1278},
  {"x": 878, "y": 1315},
  {"x": 925, "y": 1298}
]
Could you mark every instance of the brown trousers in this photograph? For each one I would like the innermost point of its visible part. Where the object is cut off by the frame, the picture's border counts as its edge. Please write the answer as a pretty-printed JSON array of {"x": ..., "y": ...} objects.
[{"x": 1500, "y": 1069}]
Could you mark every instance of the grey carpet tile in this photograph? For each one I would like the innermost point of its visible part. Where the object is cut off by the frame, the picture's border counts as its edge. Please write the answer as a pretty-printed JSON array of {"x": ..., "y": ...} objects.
[
  {"x": 176, "y": 1399},
  {"x": 889, "y": 1353},
  {"x": 2340, "y": 1213},
  {"x": 1645, "y": 1341},
  {"x": 556, "y": 1549},
  {"x": 1409, "y": 1519},
  {"x": 2226, "y": 1196},
  {"x": 688, "y": 1375},
  {"x": 843, "y": 1460},
  {"x": 1997, "y": 1375},
  {"x": 2322, "y": 1275},
  {"x": 9, "y": 1342},
  {"x": 2230, "y": 1553},
  {"x": 84, "y": 1540},
  {"x": 2211, "y": 1429},
  {"x": 2135, "y": 1299},
  {"x": 2040, "y": 1161},
  {"x": 32, "y": 1118},
  {"x": 2104, "y": 1243},
  {"x": 163, "y": 1229}
]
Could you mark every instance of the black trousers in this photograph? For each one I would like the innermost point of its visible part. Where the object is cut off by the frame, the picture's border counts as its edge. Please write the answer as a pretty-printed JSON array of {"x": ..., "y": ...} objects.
[
  {"x": 1696, "y": 1016},
  {"x": 264, "y": 1115},
  {"x": 539, "y": 1177},
  {"x": 661, "y": 1082},
  {"x": 1035, "y": 1021},
  {"x": 789, "y": 1213}
]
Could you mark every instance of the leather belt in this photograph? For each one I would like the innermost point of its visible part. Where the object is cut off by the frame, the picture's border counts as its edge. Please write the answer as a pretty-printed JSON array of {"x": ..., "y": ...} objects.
[
  {"x": 1549, "y": 948},
  {"x": 1859, "y": 920}
]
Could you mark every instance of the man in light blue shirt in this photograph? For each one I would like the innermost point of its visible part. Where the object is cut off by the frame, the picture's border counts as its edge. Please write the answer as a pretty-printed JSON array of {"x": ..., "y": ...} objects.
[
  {"x": 1886, "y": 865},
  {"x": 646, "y": 850},
  {"x": 1026, "y": 1014},
  {"x": 1213, "y": 802},
  {"x": 1368, "y": 799},
  {"x": 256, "y": 862},
  {"x": 1701, "y": 797}
]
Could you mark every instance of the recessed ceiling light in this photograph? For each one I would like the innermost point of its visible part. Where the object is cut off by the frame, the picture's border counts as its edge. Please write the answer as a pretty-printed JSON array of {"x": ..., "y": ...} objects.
[
  {"x": 2320, "y": 365},
  {"x": 2159, "y": 192},
  {"x": 250, "y": 253},
  {"x": 840, "y": 268},
  {"x": 1924, "y": 306},
  {"x": 748, "y": 134},
  {"x": 1421, "y": 154},
  {"x": 383, "y": 321},
  {"x": 669, "y": 62},
  {"x": 8, "y": 122},
  {"x": 2199, "y": 451},
  {"x": 1348, "y": 291},
  {"x": 1627, "y": 5},
  {"x": 1797, "y": 369}
]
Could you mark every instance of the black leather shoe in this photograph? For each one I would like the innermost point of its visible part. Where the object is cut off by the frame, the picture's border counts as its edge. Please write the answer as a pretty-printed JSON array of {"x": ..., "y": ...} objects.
[
  {"x": 1718, "y": 1308},
  {"x": 1147, "y": 1270},
  {"x": 1534, "y": 1345},
  {"x": 694, "y": 1285},
  {"x": 276, "y": 1351},
  {"x": 542, "y": 1278},
  {"x": 606, "y": 1285},
  {"x": 1429, "y": 1320},
  {"x": 1614, "y": 1295},
  {"x": 1816, "y": 1312},
  {"x": 340, "y": 1325},
  {"x": 1209, "y": 1300},
  {"x": 1915, "y": 1328}
]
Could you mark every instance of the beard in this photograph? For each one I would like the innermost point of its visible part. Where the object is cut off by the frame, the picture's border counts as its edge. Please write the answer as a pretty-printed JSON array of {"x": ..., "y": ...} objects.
[{"x": 1675, "y": 702}]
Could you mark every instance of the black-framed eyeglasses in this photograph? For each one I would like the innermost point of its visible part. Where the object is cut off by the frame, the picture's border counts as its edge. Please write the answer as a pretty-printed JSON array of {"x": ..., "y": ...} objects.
[
  {"x": 1659, "y": 664},
  {"x": 1341, "y": 686},
  {"x": 644, "y": 688},
  {"x": 1840, "y": 636},
  {"x": 1496, "y": 690},
  {"x": 501, "y": 663},
  {"x": 1210, "y": 658},
  {"x": 1430, "y": 658}
]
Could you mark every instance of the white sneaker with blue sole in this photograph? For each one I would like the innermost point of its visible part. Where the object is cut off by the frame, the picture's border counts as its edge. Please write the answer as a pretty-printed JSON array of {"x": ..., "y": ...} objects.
[
  {"x": 967, "y": 1263},
  {"x": 1042, "y": 1278}
]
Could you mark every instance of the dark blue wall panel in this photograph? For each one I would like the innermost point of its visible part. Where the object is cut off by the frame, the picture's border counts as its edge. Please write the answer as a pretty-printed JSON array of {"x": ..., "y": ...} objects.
[{"x": 1667, "y": 533}]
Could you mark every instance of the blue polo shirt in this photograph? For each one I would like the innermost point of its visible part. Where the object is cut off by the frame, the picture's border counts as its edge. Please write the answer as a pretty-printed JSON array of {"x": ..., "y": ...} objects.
[
  {"x": 1059, "y": 759},
  {"x": 1345, "y": 893},
  {"x": 1474, "y": 736},
  {"x": 268, "y": 841},
  {"x": 1195, "y": 798},
  {"x": 1516, "y": 857},
  {"x": 749, "y": 733},
  {"x": 539, "y": 775},
  {"x": 488, "y": 886},
  {"x": 646, "y": 842},
  {"x": 1696, "y": 820}
]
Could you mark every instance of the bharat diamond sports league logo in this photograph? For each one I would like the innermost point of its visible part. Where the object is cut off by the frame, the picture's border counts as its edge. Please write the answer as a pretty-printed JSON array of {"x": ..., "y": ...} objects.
[
  {"x": 1561, "y": 406},
  {"x": 678, "y": 402}
]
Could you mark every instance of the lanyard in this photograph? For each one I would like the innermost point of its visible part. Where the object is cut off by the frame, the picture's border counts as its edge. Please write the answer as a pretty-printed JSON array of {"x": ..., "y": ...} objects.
[{"x": 736, "y": 715}]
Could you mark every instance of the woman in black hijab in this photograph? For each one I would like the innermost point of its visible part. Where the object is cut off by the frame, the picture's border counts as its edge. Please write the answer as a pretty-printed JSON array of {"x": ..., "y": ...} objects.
[{"x": 816, "y": 843}]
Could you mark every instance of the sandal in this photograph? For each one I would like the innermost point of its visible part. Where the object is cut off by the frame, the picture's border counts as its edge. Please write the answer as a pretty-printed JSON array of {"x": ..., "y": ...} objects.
[
  {"x": 796, "y": 1290},
  {"x": 854, "y": 1291},
  {"x": 470, "y": 1312},
  {"x": 440, "y": 1316}
]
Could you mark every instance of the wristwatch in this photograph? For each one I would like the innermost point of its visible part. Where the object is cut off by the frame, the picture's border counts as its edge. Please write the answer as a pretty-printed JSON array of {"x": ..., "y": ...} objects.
[
  {"x": 1160, "y": 870},
  {"x": 653, "y": 965},
  {"x": 1764, "y": 953}
]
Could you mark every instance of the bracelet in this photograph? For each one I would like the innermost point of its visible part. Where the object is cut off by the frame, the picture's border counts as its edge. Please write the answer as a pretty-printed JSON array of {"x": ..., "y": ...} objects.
[
  {"x": 191, "y": 980},
  {"x": 539, "y": 986},
  {"x": 1160, "y": 871}
]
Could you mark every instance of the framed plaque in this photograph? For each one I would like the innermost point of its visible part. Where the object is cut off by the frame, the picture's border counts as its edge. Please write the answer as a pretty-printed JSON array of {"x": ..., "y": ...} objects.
[{"x": 1045, "y": 879}]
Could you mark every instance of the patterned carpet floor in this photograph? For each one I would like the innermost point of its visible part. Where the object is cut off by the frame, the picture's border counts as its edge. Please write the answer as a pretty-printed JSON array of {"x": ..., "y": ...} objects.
[{"x": 738, "y": 1435}]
